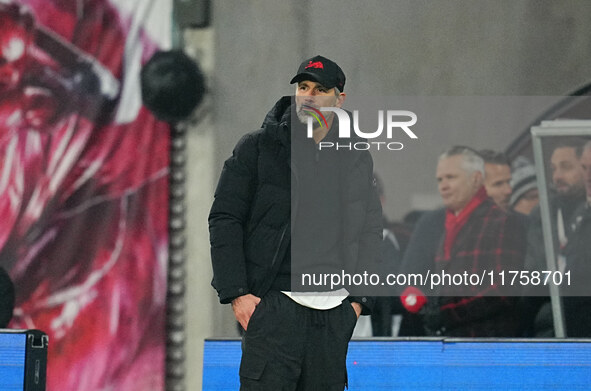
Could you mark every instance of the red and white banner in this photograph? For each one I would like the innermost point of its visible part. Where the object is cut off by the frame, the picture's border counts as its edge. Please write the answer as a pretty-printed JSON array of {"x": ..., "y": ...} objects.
[{"x": 84, "y": 187}]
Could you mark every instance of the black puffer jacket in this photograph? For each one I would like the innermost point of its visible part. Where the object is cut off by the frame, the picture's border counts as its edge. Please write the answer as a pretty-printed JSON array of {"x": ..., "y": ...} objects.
[
  {"x": 577, "y": 297},
  {"x": 249, "y": 222}
]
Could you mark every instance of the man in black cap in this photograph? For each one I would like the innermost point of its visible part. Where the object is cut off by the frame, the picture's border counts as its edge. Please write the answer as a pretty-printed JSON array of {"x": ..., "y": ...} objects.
[{"x": 284, "y": 206}]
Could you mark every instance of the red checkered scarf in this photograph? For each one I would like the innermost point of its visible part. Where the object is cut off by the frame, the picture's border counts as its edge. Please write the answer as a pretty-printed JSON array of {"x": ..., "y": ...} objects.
[{"x": 454, "y": 223}]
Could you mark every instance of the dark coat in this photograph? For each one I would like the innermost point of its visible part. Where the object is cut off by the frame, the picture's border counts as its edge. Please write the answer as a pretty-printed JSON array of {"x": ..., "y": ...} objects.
[
  {"x": 577, "y": 296},
  {"x": 249, "y": 221},
  {"x": 535, "y": 258},
  {"x": 418, "y": 257},
  {"x": 490, "y": 240},
  {"x": 535, "y": 307},
  {"x": 424, "y": 242}
]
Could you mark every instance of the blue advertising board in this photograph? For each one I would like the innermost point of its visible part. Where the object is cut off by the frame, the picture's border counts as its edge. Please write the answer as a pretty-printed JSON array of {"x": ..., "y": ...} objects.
[{"x": 442, "y": 364}]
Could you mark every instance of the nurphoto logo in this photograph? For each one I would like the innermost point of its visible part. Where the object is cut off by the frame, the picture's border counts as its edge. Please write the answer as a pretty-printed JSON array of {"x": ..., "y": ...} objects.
[{"x": 396, "y": 120}]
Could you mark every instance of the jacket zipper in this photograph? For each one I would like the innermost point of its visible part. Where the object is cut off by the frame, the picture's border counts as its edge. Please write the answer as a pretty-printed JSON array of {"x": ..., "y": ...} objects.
[{"x": 279, "y": 245}]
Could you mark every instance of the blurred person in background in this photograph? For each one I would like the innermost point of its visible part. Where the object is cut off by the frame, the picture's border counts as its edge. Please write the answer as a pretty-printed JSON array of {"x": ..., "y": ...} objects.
[
  {"x": 472, "y": 233},
  {"x": 525, "y": 195},
  {"x": 497, "y": 177},
  {"x": 577, "y": 259},
  {"x": 566, "y": 193}
]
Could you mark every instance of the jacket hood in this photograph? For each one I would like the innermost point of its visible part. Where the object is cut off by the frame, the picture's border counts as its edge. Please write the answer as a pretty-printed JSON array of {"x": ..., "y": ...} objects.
[
  {"x": 277, "y": 121},
  {"x": 280, "y": 113}
]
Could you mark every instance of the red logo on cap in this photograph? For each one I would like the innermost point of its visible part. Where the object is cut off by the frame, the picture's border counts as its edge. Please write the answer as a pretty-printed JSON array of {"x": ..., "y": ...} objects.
[{"x": 316, "y": 64}]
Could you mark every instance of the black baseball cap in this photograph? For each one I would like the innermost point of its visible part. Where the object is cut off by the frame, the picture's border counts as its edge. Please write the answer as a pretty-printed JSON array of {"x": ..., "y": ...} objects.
[{"x": 321, "y": 70}]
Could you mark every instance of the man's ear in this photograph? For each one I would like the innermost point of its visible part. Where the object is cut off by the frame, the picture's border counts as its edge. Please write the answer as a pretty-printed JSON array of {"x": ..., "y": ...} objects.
[{"x": 341, "y": 99}]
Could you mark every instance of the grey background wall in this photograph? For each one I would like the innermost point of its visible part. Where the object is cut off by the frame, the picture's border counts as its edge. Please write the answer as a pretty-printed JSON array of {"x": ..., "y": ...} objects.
[
  {"x": 386, "y": 48},
  {"x": 403, "y": 47}
]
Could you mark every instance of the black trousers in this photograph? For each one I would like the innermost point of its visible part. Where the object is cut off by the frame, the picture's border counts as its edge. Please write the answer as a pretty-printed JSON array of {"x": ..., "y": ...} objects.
[{"x": 290, "y": 347}]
